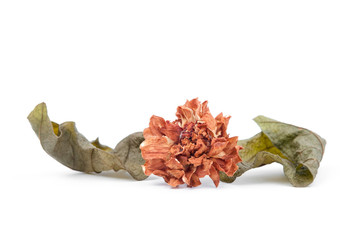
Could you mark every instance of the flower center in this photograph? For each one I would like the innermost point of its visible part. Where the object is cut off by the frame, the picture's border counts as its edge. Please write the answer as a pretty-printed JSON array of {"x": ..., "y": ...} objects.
[
  {"x": 195, "y": 139},
  {"x": 187, "y": 132}
]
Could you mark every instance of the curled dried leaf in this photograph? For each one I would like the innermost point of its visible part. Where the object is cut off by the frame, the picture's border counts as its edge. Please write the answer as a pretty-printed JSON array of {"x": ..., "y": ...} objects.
[
  {"x": 64, "y": 143},
  {"x": 299, "y": 150}
]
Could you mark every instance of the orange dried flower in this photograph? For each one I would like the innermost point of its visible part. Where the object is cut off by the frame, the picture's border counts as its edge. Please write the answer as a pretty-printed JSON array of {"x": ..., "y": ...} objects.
[{"x": 191, "y": 147}]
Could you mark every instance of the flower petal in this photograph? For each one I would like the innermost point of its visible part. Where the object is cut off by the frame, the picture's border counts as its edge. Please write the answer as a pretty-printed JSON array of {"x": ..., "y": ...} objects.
[
  {"x": 195, "y": 181},
  {"x": 222, "y": 124},
  {"x": 211, "y": 123},
  {"x": 201, "y": 148},
  {"x": 205, "y": 108},
  {"x": 195, "y": 105},
  {"x": 186, "y": 115},
  {"x": 158, "y": 127},
  {"x": 196, "y": 161},
  {"x": 214, "y": 175},
  {"x": 228, "y": 165},
  {"x": 176, "y": 173},
  {"x": 232, "y": 143},
  {"x": 174, "y": 182},
  {"x": 203, "y": 170},
  {"x": 219, "y": 164},
  {"x": 183, "y": 160},
  {"x": 172, "y": 131},
  {"x": 155, "y": 148},
  {"x": 156, "y": 124},
  {"x": 217, "y": 146},
  {"x": 188, "y": 175},
  {"x": 174, "y": 164},
  {"x": 160, "y": 173},
  {"x": 153, "y": 165},
  {"x": 234, "y": 152},
  {"x": 232, "y": 169},
  {"x": 147, "y": 133},
  {"x": 176, "y": 150}
]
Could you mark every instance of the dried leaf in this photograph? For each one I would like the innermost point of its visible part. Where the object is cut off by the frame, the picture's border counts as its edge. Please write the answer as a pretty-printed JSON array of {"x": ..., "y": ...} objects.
[
  {"x": 130, "y": 155},
  {"x": 64, "y": 143},
  {"x": 299, "y": 150}
]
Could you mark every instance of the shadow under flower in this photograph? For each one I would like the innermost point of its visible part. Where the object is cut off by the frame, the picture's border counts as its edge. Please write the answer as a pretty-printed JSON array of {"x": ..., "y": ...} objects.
[{"x": 271, "y": 175}]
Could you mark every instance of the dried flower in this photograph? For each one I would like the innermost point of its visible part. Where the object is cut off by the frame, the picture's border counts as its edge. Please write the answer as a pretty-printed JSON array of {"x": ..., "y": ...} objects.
[{"x": 191, "y": 147}]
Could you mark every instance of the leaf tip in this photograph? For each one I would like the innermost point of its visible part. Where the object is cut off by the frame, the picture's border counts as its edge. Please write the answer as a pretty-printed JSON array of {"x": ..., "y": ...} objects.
[
  {"x": 37, "y": 109},
  {"x": 261, "y": 118}
]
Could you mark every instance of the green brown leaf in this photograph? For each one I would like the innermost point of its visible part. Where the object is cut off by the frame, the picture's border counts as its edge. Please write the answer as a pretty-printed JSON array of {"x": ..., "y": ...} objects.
[
  {"x": 299, "y": 150},
  {"x": 69, "y": 147},
  {"x": 130, "y": 155}
]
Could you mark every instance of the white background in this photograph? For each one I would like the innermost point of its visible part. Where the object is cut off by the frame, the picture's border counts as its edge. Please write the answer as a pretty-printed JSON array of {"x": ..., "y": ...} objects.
[{"x": 110, "y": 65}]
